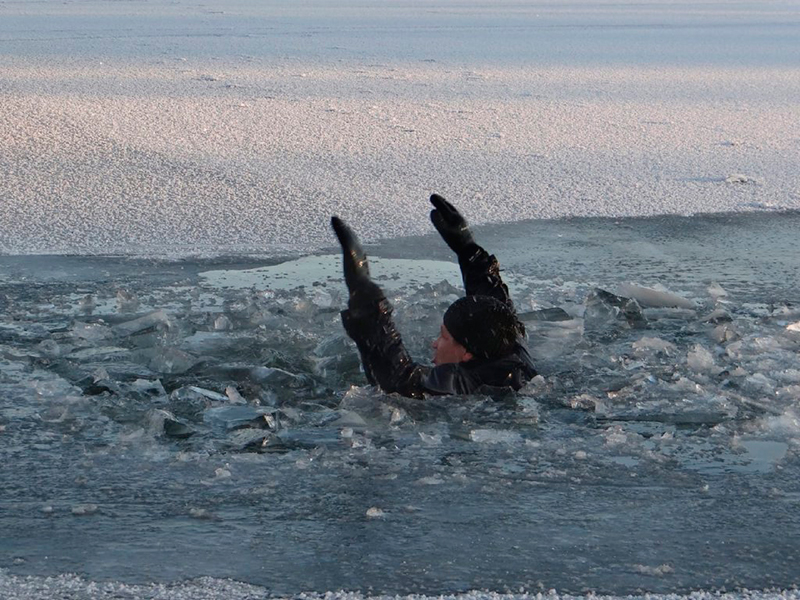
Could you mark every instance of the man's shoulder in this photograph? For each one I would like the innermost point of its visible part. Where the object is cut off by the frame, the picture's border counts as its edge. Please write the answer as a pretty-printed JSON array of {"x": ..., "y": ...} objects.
[{"x": 510, "y": 371}]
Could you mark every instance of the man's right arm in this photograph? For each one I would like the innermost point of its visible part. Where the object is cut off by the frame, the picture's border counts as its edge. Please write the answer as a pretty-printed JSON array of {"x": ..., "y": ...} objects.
[{"x": 480, "y": 270}]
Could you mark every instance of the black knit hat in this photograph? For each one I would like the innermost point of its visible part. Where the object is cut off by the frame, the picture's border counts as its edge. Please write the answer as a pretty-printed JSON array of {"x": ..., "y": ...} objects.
[{"x": 486, "y": 327}]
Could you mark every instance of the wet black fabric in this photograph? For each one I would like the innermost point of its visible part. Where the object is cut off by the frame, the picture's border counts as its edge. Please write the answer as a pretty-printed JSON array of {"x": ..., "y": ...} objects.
[{"x": 368, "y": 321}]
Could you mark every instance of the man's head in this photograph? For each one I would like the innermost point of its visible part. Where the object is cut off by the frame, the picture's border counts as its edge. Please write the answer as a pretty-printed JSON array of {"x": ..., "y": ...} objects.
[{"x": 476, "y": 327}]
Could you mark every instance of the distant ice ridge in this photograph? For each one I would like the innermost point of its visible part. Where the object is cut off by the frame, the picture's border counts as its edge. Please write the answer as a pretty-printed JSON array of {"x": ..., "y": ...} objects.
[{"x": 73, "y": 587}]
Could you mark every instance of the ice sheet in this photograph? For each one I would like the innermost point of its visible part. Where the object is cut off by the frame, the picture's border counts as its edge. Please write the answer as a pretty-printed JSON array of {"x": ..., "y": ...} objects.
[{"x": 240, "y": 127}]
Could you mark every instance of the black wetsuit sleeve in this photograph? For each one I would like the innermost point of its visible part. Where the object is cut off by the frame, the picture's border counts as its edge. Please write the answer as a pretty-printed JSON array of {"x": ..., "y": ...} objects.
[
  {"x": 480, "y": 272},
  {"x": 383, "y": 355},
  {"x": 386, "y": 362}
]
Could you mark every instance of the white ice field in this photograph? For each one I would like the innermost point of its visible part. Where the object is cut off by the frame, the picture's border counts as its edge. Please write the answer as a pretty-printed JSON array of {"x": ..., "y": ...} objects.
[{"x": 226, "y": 127}]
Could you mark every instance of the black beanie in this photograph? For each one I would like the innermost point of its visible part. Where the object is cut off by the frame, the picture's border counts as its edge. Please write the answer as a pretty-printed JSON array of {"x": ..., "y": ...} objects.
[{"x": 486, "y": 327}]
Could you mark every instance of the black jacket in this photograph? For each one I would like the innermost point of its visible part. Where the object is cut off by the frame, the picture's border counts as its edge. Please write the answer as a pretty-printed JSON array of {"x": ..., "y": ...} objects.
[{"x": 368, "y": 321}]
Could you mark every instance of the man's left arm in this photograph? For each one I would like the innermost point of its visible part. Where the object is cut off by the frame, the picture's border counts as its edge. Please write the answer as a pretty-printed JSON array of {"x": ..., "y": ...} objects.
[{"x": 368, "y": 322}]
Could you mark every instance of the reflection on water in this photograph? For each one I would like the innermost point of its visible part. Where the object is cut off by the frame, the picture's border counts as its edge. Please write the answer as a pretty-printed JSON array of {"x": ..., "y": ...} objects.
[{"x": 167, "y": 421}]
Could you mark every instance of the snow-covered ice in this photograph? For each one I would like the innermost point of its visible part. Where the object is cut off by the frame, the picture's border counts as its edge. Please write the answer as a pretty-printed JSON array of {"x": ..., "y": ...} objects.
[{"x": 239, "y": 127}]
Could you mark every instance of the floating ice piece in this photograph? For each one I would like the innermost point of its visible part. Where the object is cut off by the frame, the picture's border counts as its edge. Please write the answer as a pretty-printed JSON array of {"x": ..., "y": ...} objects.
[
  {"x": 786, "y": 424},
  {"x": 177, "y": 429},
  {"x": 494, "y": 436},
  {"x": 583, "y": 402},
  {"x": 171, "y": 361},
  {"x": 647, "y": 345},
  {"x": 548, "y": 340},
  {"x": 254, "y": 440},
  {"x": 718, "y": 316},
  {"x": 430, "y": 439},
  {"x": 127, "y": 301},
  {"x": 55, "y": 414},
  {"x": 375, "y": 513},
  {"x": 185, "y": 402},
  {"x": 545, "y": 314},
  {"x": 430, "y": 480},
  {"x": 87, "y": 304},
  {"x": 398, "y": 416},
  {"x": 82, "y": 510},
  {"x": 333, "y": 346},
  {"x": 238, "y": 417},
  {"x": 151, "y": 388},
  {"x": 760, "y": 382},
  {"x": 209, "y": 394},
  {"x": 222, "y": 473},
  {"x": 275, "y": 376},
  {"x": 650, "y": 298},
  {"x": 716, "y": 291},
  {"x": 348, "y": 418},
  {"x": 100, "y": 352},
  {"x": 49, "y": 348},
  {"x": 234, "y": 396},
  {"x": 658, "y": 571},
  {"x": 323, "y": 298},
  {"x": 222, "y": 323},
  {"x": 723, "y": 333},
  {"x": 604, "y": 310},
  {"x": 163, "y": 421},
  {"x": 91, "y": 332},
  {"x": 701, "y": 360},
  {"x": 157, "y": 319},
  {"x": 214, "y": 343}
]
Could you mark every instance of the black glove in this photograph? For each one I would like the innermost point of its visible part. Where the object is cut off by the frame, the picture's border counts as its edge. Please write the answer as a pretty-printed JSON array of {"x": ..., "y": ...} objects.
[
  {"x": 356, "y": 269},
  {"x": 452, "y": 226}
]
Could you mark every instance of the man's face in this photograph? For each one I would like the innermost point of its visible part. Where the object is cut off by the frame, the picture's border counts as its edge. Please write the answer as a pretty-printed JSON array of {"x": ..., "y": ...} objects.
[{"x": 447, "y": 350}]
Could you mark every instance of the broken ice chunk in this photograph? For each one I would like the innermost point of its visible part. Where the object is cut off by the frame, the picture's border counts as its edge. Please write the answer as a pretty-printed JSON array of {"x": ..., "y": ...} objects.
[
  {"x": 494, "y": 436},
  {"x": 209, "y": 394},
  {"x": 127, "y": 301},
  {"x": 170, "y": 361},
  {"x": 652, "y": 298},
  {"x": 545, "y": 314},
  {"x": 718, "y": 316},
  {"x": 716, "y": 291},
  {"x": 186, "y": 402},
  {"x": 651, "y": 345},
  {"x": 157, "y": 319},
  {"x": 604, "y": 310},
  {"x": 82, "y": 510},
  {"x": 239, "y": 417},
  {"x": 87, "y": 304},
  {"x": 701, "y": 360},
  {"x": 90, "y": 332},
  {"x": 222, "y": 323},
  {"x": 234, "y": 396}
]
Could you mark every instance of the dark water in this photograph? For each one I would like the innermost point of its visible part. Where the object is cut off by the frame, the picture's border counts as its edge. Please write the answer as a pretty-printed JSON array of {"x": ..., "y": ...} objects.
[{"x": 166, "y": 421}]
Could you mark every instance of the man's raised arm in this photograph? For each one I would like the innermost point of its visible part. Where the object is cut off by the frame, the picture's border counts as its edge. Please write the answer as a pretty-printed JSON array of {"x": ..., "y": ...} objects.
[{"x": 480, "y": 270}]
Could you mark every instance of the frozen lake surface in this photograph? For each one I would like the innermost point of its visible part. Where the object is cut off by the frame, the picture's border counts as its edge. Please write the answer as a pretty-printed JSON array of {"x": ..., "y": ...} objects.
[
  {"x": 168, "y": 421},
  {"x": 212, "y": 128},
  {"x": 180, "y": 414}
]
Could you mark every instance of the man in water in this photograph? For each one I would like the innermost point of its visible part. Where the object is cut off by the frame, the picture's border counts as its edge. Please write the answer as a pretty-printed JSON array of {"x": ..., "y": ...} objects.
[{"x": 480, "y": 345}]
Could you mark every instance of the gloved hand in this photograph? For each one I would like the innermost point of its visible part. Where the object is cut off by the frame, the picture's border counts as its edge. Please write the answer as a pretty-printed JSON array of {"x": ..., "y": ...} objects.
[
  {"x": 453, "y": 228},
  {"x": 356, "y": 268}
]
